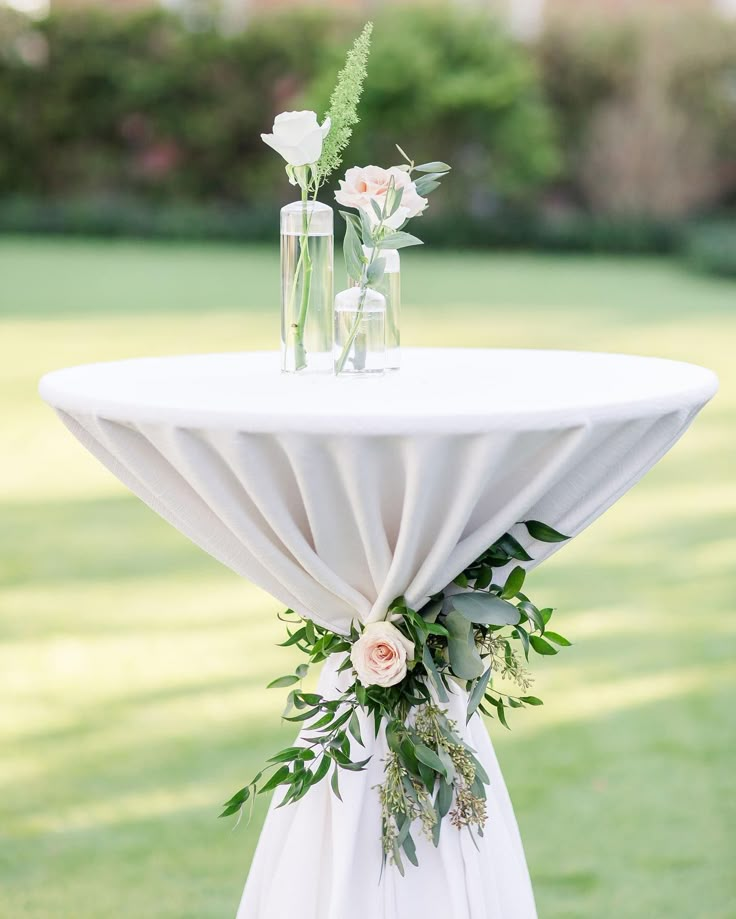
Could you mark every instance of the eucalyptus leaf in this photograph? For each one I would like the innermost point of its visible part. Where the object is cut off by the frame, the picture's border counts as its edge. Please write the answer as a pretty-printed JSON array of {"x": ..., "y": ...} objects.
[
  {"x": 444, "y": 797},
  {"x": 465, "y": 661},
  {"x": 476, "y": 696},
  {"x": 433, "y": 167},
  {"x": 411, "y": 850},
  {"x": 434, "y": 674},
  {"x": 426, "y": 185},
  {"x": 352, "y": 248},
  {"x": 430, "y": 758},
  {"x": 399, "y": 240},
  {"x": 375, "y": 271},
  {"x": 485, "y": 609}
]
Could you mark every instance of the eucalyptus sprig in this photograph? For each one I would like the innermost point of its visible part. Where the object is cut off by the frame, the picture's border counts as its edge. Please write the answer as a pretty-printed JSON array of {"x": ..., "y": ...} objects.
[{"x": 463, "y": 637}]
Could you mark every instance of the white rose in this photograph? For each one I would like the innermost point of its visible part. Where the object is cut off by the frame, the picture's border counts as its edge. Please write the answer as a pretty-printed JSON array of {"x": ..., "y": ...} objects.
[
  {"x": 298, "y": 137},
  {"x": 379, "y": 656},
  {"x": 363, "y": 184}
]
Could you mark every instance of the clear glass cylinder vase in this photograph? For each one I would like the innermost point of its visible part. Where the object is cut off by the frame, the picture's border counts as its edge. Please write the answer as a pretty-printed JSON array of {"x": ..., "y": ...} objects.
[
  {"x": 360, "y": 332},
  {"x": 306, "y": 287},
  {"x": 390, "y": 287}
]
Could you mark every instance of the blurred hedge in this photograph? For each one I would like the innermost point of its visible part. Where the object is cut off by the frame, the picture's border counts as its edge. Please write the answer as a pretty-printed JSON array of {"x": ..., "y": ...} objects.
[
  {"x": 600, "y": 136},
  {"x": 98, "y": 103}
]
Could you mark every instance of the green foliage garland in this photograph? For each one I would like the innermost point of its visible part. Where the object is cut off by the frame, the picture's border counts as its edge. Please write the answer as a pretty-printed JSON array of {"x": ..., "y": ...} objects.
[{"x": 460, "y": 639}]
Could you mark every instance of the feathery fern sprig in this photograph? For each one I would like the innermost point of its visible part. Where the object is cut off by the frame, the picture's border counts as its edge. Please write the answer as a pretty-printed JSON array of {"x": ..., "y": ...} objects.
[{"x": 343, "y": 105}]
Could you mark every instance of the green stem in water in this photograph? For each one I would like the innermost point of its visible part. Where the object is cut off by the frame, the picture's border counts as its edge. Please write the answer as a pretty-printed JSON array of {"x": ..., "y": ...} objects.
[
  {"x": 340, "y": 363},
  {"x": 304, "y": 268}
]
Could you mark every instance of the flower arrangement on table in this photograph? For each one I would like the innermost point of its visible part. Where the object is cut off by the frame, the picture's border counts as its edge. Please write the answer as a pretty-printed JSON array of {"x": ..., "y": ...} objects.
[
  {"x": 403, "y": 670},
  {"x": 361, "y": 333}
]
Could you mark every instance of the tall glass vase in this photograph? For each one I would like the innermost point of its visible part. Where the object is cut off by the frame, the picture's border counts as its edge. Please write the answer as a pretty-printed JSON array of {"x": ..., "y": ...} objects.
[
  {"x": 390, "y": 287},
  {"x": 306, "y": 287}
]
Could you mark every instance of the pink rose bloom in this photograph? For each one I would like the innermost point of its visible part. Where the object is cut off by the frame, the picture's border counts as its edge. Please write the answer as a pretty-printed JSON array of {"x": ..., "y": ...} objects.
[
  {"x": 379, "y": 656},
  {"x": 362, "y": 184}
]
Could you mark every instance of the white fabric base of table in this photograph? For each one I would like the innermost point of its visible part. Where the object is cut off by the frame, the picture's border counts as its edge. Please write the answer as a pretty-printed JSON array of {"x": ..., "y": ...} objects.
[{"x": 320, "y": 858}]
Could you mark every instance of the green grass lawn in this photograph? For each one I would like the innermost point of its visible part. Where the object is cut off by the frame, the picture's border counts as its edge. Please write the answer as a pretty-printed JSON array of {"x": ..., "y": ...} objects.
[{"x": 132, "y": 666}]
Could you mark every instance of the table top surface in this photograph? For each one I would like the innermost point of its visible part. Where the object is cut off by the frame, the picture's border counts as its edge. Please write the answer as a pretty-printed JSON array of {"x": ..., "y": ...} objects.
[{"x": 463, "y": 390}]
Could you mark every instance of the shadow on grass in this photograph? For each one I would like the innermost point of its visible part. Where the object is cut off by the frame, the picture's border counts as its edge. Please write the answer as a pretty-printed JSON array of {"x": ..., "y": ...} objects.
[{"x": 619, "y": 805}]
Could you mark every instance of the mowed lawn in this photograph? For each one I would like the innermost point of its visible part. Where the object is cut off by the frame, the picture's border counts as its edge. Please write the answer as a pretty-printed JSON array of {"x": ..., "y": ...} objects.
[{"x": 132, "y": 666}]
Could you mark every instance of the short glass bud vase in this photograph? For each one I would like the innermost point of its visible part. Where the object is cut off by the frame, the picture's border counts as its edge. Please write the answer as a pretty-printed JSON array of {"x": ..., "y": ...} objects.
[
  {"x": 360, "y": 332},
  {"x": 306, "y": 287},
  {"x": 390, "y": 287}
]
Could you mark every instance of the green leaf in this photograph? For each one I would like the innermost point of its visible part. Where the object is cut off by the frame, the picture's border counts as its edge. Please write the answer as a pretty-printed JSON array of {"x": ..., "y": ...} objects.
[
  {"x": 431, "y": 610},
  {"x": 484, "y": 578},
  {"x": 276, "y": 779},
  {"x": 434, "y": 674},
  {"x": 485, "y": 609},
  {"x": 411, "y": 850},
  {"x": 354, "y": 728},
  {"x": 523, "y": 637},
  {"x": 444, "y": 797},
  {"x": 426, "y": 184},
  {"x": 433, "y": 167},
  {"x": 283, "y": 681},
  {"x": 465, "y": 661},
  {"x": 430, "y": 758},
  {"x": 399, "y": 240},
  {"x": 543, "y": 532},
  {"x": 393, "y": 199},
  {"x": 541, "y": 646},
  {"x": 558, "y": 639},
  {"x": 534, "y": 614},
  {"x": 335, "y": 783},
  {"x": 321, "y": 771},
  {"x": 514, "y": 583},
  {"x": 376, "y": 209},
  {"x": 375, "y": 271},
  {"x": 352, "y": 247},
  {"x": 476, "y": 696},
  {"x": 285, "y": 756},
  {"x": 513, "y": 547},
  {"x": 531, "y": 700},
  {"x": 302, "y": 670},
  {"x": 365, "y": 230},
  {"x": 293, "y": 638}
]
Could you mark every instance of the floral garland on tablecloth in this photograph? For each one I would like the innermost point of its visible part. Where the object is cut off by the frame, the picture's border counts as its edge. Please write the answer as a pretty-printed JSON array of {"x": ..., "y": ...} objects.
[{"x": 404, "y": 667}]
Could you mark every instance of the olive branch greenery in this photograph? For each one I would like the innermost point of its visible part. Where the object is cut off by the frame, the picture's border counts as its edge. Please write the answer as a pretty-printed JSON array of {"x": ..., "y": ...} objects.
[{"x": 466, "y": 635}]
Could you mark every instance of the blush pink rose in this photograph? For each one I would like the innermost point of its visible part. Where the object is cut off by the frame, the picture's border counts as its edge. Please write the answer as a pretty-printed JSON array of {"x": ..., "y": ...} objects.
[
  {"x": 362, "y": 184},
  {"x": 379, "y": 656}
]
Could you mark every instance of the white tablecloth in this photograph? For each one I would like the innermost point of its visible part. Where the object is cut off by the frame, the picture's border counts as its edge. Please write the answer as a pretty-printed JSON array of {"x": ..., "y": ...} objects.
[{"x": 337, "y": 496}]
